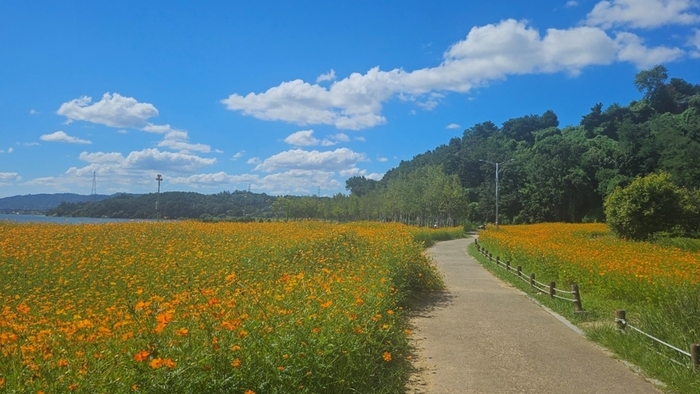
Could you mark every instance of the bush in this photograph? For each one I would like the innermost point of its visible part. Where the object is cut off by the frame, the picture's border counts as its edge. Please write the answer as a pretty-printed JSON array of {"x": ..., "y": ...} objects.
[{"x": 648, "y": 205}]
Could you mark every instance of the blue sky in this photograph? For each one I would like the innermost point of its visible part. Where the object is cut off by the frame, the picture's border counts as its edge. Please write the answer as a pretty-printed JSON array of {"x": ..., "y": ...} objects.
[{"x": 291, "y": 96}]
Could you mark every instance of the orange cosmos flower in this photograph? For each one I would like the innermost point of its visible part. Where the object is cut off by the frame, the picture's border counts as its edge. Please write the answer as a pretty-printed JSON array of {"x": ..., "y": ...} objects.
[
  {"x": 386, "y": 356},
  {"x": 141, "y": 356}
]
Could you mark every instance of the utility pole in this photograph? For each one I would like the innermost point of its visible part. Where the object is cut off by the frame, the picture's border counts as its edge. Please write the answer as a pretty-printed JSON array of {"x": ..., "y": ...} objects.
[
  {"x": 159, "y": 178},
  {"x": 497, "y": 164}
]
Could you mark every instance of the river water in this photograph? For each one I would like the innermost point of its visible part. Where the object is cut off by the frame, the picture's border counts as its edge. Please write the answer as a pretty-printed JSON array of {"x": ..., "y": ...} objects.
[{"x": 63, "y": 220}]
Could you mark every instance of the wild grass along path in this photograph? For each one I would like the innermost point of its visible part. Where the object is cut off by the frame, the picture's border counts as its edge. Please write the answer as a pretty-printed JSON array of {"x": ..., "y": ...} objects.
[{"x": 483, "y": 336}]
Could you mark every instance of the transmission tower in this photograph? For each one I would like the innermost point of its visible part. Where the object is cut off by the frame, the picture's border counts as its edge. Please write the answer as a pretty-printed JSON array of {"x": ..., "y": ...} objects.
[{"x": 93, "y": 191}]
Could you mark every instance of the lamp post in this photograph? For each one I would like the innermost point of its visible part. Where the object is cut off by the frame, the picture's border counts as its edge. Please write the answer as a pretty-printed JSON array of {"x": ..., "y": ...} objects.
[
  {"x": 497, "y": 165},
  {"x": 159, "y": 178}
]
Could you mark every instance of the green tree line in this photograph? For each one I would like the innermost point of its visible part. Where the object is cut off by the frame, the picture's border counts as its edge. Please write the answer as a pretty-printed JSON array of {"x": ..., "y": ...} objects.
[{"x": 548, "y": 173}]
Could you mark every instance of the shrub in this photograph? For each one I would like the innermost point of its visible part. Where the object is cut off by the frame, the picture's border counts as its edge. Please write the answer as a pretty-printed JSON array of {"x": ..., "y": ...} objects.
[{"x": 648, "y": 205}]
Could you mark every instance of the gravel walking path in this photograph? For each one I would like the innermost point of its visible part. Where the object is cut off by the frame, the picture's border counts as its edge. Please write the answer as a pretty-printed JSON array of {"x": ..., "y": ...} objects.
[{"x": 483, "y": 336}]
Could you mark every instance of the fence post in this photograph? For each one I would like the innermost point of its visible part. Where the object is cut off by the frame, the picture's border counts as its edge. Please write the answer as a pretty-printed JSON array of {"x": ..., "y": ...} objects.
[
  {"x": 476, "y": 242},
  {"x": 508, "y": 266},
  {"x": 520, "y": 270},
  {"x": 577, "y": 298},
  {"x": 552, "y": 285},
  {"x": 620, "y": 319},
  {"x": 498, "y": 261},
  {"x": 695, "y": 355},
  {"x": 532, "y": 279}
]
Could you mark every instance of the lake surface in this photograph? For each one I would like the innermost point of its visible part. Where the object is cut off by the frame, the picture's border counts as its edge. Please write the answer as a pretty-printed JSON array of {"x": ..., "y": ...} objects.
[{"x": 63, "y": 220}]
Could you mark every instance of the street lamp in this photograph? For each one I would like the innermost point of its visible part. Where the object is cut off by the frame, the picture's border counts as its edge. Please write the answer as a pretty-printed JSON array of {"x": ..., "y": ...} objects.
[
  {"x": 497, "y": 165},
  {"x": 159, "y": 178}
]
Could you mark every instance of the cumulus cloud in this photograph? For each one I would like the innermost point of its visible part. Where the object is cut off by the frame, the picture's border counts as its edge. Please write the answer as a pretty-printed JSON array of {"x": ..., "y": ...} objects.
[
  {"x": 489, "y": 52},
  {"x": 145, "y": 160},
  {"x": 10, "y": 150},
  {"x": 238, "y": 155},
  {"x": 175, "y": 139},
  {"x": 634, "y": 51},
  {"x": 60, "y": 136},
  {"x": 382, "y": 159},
  {"x": 694, "y": 41},
  {"x": 453, "y": 126},
  {"x": 119, "y": 173},
  {"x": 306, "y": 138},
  {"x": 217, "y": 179},
  {"x": 33, "y": 112},
  {"x": 9, "y": 177},
  {"x": 312, "y": 160},
  {"x": 286, "y": 182},
  {"x": 571, "y": 3},
  {"x": 329, "y": 76},
  {"x": 645, "y": 14},
  {"x": 302, "y": 138},
  {"x": 112, "y": 110}
]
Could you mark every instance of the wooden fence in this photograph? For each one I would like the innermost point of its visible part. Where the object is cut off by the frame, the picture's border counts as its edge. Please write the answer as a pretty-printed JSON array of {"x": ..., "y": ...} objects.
[
  {"x": 573, "y": 296},
  {"x": 620, "y": 316}
]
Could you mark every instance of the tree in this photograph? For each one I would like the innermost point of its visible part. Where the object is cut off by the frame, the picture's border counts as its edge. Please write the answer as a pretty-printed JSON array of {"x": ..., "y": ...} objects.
[
  {"x": 653, "y": 84},
  {"x": 647, "y": 206},
  {"x": 359, "y": 185}
]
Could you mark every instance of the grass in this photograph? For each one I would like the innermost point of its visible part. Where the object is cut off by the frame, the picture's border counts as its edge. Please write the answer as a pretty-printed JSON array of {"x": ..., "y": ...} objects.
[
  {"x": 666, "y": 306},
  {"x": 429, "y": 236}
]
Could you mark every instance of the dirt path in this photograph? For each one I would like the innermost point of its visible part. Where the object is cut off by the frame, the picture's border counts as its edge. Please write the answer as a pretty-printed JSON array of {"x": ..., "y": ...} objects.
[{"x": 483, "y": 336}]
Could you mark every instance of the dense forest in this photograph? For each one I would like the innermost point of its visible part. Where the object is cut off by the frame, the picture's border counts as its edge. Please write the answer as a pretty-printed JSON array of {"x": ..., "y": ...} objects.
[
  {"x": 548, "y": 173},
  {"x": 545, "y": 173},
  {"x": 172, "y": 205}
]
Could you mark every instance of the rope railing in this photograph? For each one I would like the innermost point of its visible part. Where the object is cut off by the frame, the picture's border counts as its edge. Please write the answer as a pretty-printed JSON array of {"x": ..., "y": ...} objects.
[
  {"x": 546, "y": 288},
  {"x": 694, "y": 354}
]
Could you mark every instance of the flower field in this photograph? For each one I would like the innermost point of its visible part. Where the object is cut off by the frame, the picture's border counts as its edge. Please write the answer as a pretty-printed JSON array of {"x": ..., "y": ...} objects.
[
  {"x": 197, "y": 307},
  {"x": 588, "y": 254}
]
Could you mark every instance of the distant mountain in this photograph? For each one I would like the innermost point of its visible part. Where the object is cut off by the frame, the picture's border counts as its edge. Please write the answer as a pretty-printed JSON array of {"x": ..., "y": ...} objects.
[{"x": 43, "y": 202}]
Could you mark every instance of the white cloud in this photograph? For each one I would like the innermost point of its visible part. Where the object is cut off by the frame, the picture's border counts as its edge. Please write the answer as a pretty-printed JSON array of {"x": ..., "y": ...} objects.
[
  {"x": 361, "y": 139},
  {"x": 382, "y": 159},
  {"x": 302, "y": 138},
  {"x": 118, "y": 173},
  {"x": 329, "y": 76},
  {"x": 60, "y": 136},
  {"x": 218, "y": 180},
  {"x": 634, "y": 51},
  {"x": 694, "y": 41},
  {"x": 358, "y": 172},
  {"x": 489, "y": 52},
  {"x": 375, "y": 176},
  {"x": 238, "y": 155},
  {"x": 9, "y": 177},
  {"x": 146, "y": 160},
  {"x": 306, "y": 138},
  {"x": 338, "y": 159},
  {"x": 453, "y": 126},
  {"x": 175, "y": 139},
  {"x": 341, "y": 137},
  {"x": 33, "y": 112},
  {"x": 571, "y": 3},
  {"x": 253, "y": 160},
  {"x": 291, "y": 181},
  {"x": 112, "y": 110},
  {"x": 646, "y": 14},
  {"x": 10, "y": 150},
  {"x": 298, "y": 181}
]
